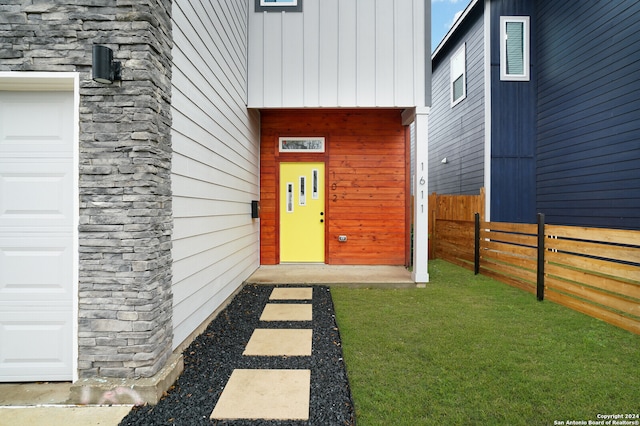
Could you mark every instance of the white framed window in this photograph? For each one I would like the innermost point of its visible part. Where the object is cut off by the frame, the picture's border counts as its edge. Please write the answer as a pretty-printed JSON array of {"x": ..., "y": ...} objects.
[
  {"x": 514, "y": 48},
  {"x": 278, "y": 2},
  {"x": 296, "y": 144},
  {"x": 278, "y": 5},
  {"x": 458, "y": 72}
]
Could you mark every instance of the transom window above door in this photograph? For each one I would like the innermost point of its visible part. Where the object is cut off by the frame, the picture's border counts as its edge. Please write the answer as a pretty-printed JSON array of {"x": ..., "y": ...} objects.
[{"x": 301, "y": 144}]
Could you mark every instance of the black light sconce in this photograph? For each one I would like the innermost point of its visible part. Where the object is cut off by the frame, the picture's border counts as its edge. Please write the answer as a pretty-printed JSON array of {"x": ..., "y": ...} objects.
[
  {"x": 255, "y": 209},
  {"x": 105, "y": 70}
]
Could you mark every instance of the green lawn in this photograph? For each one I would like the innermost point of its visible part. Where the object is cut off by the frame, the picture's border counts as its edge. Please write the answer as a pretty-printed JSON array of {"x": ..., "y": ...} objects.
[{"x": 470, "y": 350}]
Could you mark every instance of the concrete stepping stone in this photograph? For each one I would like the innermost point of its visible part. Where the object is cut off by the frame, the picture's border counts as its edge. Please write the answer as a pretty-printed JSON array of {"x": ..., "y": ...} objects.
[
  {"x": 291, "y": 293},
  {"x": 287, "y": 312},
  {"x": 265, "y": 394},
  {"x": 279, "y": 342}
]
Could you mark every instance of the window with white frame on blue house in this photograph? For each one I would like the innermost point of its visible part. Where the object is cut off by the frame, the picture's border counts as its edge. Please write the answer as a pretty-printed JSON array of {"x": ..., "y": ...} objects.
[
  {"x": 457, "y": 69},
  {"x": 514, "y": 48}
]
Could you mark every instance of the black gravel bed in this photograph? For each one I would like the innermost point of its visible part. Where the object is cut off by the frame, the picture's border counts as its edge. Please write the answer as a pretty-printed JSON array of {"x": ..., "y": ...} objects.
[{"x": 210, "y": 359}]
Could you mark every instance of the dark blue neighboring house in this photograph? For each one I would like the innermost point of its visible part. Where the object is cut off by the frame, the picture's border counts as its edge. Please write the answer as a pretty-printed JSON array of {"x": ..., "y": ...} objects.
[{"x": 539, "y": 102}]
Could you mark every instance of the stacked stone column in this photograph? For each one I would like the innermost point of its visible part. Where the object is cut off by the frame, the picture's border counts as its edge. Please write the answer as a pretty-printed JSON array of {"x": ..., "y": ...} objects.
[{"x": 125, "y": 214}]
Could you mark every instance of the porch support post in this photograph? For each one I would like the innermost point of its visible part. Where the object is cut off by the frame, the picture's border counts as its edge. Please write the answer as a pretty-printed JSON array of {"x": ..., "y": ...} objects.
[{"x": 420, "y": 272}]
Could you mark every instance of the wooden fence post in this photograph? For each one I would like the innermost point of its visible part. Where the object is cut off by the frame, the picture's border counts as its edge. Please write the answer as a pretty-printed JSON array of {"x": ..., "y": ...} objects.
[
  {"x": 540, "y": 275},
  {"x": 476, "y": 254}
]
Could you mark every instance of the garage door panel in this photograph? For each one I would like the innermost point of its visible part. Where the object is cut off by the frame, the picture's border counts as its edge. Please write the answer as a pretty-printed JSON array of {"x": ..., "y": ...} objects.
[
  {"x": 37, "y": 238},
  {"x": 34, "y": 346},
  {"x": 36, "y": 268},
  {"x": 35, "y": 194},
  {"x": 51, "y": 111}
]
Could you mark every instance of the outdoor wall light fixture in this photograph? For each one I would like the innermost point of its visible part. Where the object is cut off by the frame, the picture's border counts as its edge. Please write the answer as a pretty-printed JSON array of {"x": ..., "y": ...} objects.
[
  {"x": 105, "y": 70},
  {"x": 255, "y": 209},
  {"x": 444, "y": 160}
]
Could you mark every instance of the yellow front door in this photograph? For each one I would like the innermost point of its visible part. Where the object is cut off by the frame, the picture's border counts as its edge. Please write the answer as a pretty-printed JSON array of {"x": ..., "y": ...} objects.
[{"x": 302, "y": 212}]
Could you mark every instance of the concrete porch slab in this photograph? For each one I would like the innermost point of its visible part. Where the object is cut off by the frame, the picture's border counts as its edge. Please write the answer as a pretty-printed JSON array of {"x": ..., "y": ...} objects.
[
  {"x": 41, "y": 393},
  {"x": 357, "y": 276},
  {"x": 265, "y": 394},
  {"x": 287, "y": 312},
  {"x": 291, "y": 293},
  {"x": 94, "y": 391},
  {"x": 63, "y": 415},
  {"x": 279, "y": 342}
]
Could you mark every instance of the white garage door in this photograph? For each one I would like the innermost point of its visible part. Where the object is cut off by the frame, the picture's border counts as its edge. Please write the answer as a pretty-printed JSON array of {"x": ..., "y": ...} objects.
[{"x": 36, "y": 236}]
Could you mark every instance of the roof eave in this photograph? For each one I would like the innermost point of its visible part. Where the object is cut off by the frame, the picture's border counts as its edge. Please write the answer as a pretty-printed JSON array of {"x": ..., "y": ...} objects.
[{"x": 454, "y": 27}]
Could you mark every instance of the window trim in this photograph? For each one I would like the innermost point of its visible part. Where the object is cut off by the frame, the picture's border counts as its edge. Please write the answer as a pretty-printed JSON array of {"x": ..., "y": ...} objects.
[
  {"x": 526, "y": 47},
  {"x": 287, "y": 6},
  {"x": 462, "y": 50},
  {"x": 283, "y": 149}
]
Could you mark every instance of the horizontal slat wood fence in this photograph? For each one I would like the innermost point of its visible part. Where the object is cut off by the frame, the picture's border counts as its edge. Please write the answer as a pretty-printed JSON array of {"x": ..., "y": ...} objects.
[
  {"x": 591, "y": 270},
  {"x": 508, "y": 253},
  {"x": 595, "y": 271}
]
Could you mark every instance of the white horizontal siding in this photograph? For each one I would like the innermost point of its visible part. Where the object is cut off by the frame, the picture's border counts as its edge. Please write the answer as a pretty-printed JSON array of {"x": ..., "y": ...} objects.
[
  {"x": 215, "y": 164},
  {"x": 356, "y": 53}
]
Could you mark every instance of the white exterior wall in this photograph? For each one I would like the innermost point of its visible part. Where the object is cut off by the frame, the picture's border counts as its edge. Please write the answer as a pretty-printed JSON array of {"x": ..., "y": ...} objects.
[
  {"x": 215, "y": 171},
  {"x": 336, "y": 53}
]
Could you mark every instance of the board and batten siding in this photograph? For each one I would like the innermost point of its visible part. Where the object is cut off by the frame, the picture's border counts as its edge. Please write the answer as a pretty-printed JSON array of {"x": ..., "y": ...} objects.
[
  {"x": 367, "y": 152},
  {"x": 588, "y": 121},
  {"x": 513, "y": 142},
  {"x": 338, "y": 54},
  {"x": 457, "y": 133},
  {"x": 215, "y": 171}
]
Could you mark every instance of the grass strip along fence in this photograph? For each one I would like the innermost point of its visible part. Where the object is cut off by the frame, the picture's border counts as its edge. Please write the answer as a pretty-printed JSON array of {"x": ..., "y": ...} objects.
[
  {"x": 469, "y": 350},
  {"x": 591, "y": 270}
]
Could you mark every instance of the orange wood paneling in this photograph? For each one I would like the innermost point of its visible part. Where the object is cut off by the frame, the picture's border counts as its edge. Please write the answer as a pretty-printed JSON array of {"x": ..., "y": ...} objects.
[{"x": 366, "y": 182}]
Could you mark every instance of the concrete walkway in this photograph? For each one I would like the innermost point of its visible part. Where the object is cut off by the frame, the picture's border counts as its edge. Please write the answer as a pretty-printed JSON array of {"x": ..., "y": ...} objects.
[
  {"x": 63, "y": 416},
  {"x": 273, "y": 394},
  {"x": 38, "y": 404}
]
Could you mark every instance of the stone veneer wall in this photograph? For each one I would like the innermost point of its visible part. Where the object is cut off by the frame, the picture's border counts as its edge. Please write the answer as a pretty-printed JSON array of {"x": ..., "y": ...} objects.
[{"x": 125, "y": 300}]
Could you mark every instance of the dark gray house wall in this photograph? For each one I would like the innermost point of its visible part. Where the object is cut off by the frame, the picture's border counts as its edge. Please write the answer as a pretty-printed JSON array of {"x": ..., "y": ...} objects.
[
  {"x": 457, "y": 133},
  {"x": 566, "y": 143},
  {"x": 513, "y": 135},
  {"x": 124, "y": 297},
  {"x": 588, "y": 121}
]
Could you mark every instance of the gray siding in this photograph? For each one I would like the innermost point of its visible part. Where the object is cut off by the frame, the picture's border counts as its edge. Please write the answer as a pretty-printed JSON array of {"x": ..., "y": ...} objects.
[
  {"x": 588, "y": 113},
  {"x": 458, "y": 133},
  {"x": 215, "y": 172},
  {"x": 565, "y": 143}
]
